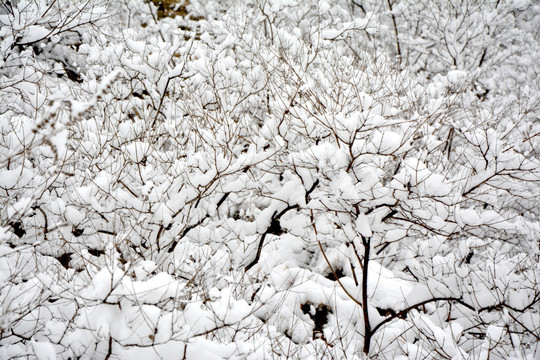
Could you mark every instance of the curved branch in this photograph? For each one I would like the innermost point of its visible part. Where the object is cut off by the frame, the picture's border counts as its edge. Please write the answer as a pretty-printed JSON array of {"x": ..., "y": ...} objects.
[
  {"x": 403, "y": 313},
  {"x": 271, "y": 227}
]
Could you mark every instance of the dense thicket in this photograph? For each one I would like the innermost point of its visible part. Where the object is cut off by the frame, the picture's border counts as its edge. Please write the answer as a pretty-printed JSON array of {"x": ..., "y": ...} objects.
[{"x": 269, "y": 179}]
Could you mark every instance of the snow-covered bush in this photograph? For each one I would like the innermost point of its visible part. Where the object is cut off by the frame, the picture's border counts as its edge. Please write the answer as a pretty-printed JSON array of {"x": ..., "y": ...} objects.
[{"x": 269, "y": 179}]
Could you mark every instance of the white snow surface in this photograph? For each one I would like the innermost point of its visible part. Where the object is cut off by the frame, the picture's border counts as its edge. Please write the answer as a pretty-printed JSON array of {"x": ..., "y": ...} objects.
[{"x": 269, "y": 180}]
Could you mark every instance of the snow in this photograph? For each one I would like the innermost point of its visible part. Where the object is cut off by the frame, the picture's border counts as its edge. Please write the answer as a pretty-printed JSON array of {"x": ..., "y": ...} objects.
[
  {"x": 456, "y": 77},
  {"x": 135, "y": 196},
  {"x": 34, "y": 33},
  {"x": 9, "y": 178},
  {"x": 137, "y": 150},
  {"x": 494, "y": 333},
  {"x": 386, "y": 143},
  {"x": 44, "y": 350},
  {"x": 362, "y": 226}
]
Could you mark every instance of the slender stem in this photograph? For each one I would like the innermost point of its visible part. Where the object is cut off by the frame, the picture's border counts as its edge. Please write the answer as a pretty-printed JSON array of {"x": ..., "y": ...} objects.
[
  {"x": 336, "y": 277},
  {"x": 398, "y": 47},
  {"x": 367, "y": 327}
]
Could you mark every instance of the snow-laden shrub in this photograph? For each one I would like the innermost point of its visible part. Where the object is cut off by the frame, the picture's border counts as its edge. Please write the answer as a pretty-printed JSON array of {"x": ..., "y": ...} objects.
[{"x": 269, "y": 180}]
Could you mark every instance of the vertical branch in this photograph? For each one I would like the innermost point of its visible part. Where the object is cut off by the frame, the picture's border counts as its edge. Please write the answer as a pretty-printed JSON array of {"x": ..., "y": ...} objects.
[
  {"x": 398, "y": 47},
  {"x": 155, "y": 21},
  {"x": 365, "y": 310},
  {"x": 449, "y": 140},
  {"x": 109, "y": 350}
]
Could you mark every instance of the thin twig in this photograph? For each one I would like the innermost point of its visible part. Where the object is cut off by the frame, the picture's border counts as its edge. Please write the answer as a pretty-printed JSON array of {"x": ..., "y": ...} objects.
[
  {"x": 336, "y": 277},
  {"x": 398, "y": 47}
]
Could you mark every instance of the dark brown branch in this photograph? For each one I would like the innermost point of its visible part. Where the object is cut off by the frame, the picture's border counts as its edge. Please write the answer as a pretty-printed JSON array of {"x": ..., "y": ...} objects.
[
  {"x": 46, "y": 226},
  {"x": 109, "y": 350},
  {"x": 398, "y": 47},
  {"x": 403, "y": 313},
  {"x": 258, "y": 254},
  {"x": 483, "y": 57},
  {"x": 500, "y": 306},
  {"x": 189, "y": 227},
  {"x": 337, "y": 277},
  {"x": 360, "y": 6},
  {"x": 271, "y": 227},
  {"x": 367, "y": 326},
  {"x": 525, "y": 327},
  {"x": 158, "y": 110}
]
